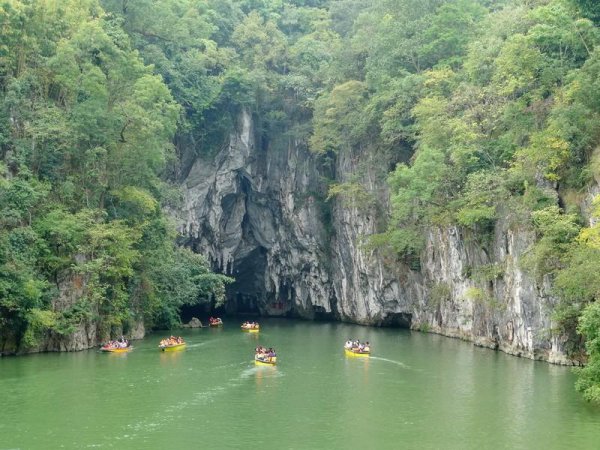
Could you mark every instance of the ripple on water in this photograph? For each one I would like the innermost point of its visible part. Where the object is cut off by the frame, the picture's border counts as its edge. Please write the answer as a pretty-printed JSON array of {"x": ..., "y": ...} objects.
[
  {"x": 398, "y": 363},
  {"x": 170, "y": 413},
  {"x": 199, "y": 344}
]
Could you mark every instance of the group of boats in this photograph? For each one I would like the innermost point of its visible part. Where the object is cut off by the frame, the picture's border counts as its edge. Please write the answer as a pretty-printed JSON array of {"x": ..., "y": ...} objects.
[{"x": 262, "y": 356}]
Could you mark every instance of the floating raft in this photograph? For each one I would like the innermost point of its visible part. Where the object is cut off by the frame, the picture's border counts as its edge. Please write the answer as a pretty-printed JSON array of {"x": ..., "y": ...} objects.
[
  {"x": 116, "y": 349},
  {"x": 263, "y": 362},
  {"x": 355, "y": 352},
  {"x": 171, "y": 348}
]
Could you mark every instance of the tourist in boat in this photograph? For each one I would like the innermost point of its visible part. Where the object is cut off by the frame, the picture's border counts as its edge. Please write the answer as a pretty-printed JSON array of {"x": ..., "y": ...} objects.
[
  {"x": 170, "y": 341},
  {"x": 265, "y": 355},
  {"x": 355, "y": 346},
  {"x": 119, "y": 344}
]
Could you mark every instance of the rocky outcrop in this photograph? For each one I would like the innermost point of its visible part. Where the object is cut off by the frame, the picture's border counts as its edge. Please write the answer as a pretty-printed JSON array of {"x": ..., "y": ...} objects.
[
  {"x": 258, "y": 211},
  {"x": 193, "y": 323},
  {"x": 485, "y": 296},
  {"x": 87, "y": 332},
  {"x": 72, "y": 289}
]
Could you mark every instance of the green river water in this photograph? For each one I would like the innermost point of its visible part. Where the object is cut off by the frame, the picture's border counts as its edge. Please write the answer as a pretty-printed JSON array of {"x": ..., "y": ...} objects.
[{"x": 417, "y": 391}]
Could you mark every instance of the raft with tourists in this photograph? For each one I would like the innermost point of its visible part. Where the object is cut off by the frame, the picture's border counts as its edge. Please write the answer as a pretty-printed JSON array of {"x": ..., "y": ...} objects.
[
  {"x": 119, "y": 346},
  {"x": 215, "y": 322},
  {"x": 109, "y": 347},
  {"x": 265, "y": 356},
  {"x": 171, "y": 344},
  {"x": 250, "y": 327},
  {"x": 357, "y": 348}
]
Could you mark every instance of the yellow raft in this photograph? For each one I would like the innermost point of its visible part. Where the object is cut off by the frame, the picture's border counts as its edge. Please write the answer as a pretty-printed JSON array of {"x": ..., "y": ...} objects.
[
  {"x": 263, "y": 362},
  {"x": 115, "y": 350},
  {"x": 171, "y": 348},
  {"x": 250, "y": 330},
  {"x": 355, "y": 352}
]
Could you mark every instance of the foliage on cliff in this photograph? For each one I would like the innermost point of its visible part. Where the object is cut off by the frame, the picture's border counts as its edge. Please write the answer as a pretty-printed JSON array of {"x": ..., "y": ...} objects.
[
  {"x": 86, "y": 131},
  {"x": 498, "y": 105}
]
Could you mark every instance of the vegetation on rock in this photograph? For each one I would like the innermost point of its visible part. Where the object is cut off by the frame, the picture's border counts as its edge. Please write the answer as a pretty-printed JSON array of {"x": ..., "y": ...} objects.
[
  {"x": 498, "y": 106},
  {"x": 86, "y": 131}
]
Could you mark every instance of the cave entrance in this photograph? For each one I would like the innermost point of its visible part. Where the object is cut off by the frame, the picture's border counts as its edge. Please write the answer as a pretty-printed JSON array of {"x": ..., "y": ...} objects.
[
  {"x": 202, "y": 312},
  {"x": 246, "y": 295},
  {"x": 397, "y": 320}
]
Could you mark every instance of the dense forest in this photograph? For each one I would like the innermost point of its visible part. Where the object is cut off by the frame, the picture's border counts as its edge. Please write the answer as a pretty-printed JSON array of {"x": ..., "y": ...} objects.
[{"x": 481, "y": 110}]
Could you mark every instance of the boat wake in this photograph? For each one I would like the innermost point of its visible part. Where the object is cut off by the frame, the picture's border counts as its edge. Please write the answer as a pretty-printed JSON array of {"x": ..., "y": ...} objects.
[
  {"x": 171, "y": 413},
  {"x": 398, "y": 363},
  {"x": 228, "y": 366},
  {"x": 200, "y": 344}
]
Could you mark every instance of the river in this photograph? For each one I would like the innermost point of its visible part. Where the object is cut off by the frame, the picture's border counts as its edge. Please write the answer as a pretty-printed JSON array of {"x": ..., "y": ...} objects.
[{"x": 417, "y": 390}]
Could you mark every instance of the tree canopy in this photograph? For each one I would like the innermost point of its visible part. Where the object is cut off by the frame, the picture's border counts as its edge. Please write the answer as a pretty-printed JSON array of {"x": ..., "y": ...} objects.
[{"x": 86, "y": 131}]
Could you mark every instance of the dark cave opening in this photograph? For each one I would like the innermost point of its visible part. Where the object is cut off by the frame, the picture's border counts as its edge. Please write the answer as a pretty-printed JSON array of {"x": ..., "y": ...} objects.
[
  {"x": 202, "y": 312},
  {"x": 397, "y": 320},
  {"x": 247, "y": 293}
]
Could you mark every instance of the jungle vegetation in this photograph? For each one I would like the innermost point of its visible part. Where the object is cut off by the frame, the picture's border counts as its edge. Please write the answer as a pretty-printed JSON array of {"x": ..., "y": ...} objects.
[{"x": 481, "y": 110}]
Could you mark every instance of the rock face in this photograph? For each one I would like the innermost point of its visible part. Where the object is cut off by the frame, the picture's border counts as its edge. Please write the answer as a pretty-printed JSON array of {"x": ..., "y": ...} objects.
[
  {"x": 254, "y": 211},
  {"x": 193, "y": 323},
  {"x": 72, "y": 289},
  {"x": 87, "y": 333},
  {"x": 258, "y": 211}
]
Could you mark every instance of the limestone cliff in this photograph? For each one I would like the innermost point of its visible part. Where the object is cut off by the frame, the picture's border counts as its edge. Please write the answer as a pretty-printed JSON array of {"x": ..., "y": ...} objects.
[
  {"x": 258, "y": 211},
  {"x": 255, "y": 212},
  {"x": 87, "y": 331}
]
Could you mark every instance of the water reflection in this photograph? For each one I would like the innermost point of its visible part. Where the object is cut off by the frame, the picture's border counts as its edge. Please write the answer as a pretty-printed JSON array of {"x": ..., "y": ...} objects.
[
  {"x": 263, "y": 372},
  {"x": 170, "y": 358}
]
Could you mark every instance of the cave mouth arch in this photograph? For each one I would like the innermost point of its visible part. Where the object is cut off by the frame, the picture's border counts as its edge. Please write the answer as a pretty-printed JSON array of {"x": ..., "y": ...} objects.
[
  {"x": 201, "y": 311},
  {"x": 247, "y": 294},
  {"x": 397, "y": 320}
]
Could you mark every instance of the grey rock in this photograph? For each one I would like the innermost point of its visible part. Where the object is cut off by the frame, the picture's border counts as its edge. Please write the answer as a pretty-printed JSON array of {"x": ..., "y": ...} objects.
[{"x": 194, "y": 323}]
